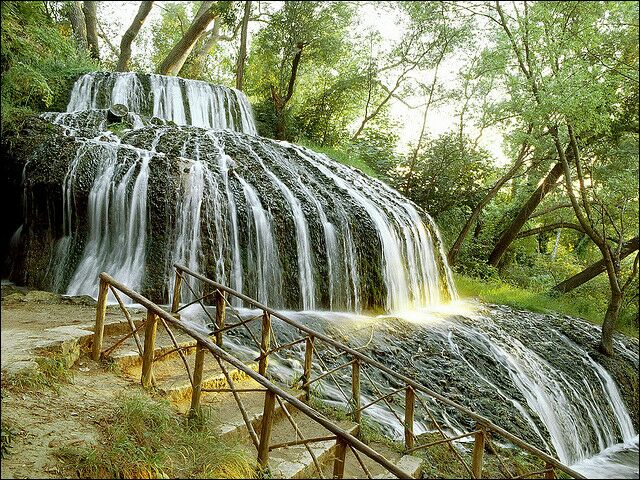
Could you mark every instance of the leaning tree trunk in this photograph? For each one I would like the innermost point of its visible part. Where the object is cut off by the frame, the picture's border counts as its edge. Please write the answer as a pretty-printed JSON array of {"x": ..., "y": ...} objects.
[
  {"x": 452, "y": 255},
  {"x": 130, "y": 35},
  {"x": 594, "y": 269},
  {"x": 610, "y": 321},
  {"x": 509, "y": 235},
  {"x": 179, "y": 53},
  {"x": 279, "y": 103}
]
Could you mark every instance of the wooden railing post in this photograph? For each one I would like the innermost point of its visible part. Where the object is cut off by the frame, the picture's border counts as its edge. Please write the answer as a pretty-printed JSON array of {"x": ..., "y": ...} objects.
[
  {"x": 308, "y": 359},
  {"x": 265, "y": 344},
  {"x": 409, "y": 408},
  {"x": 265, "y": 428},
  {"x": 478, "y": 451},
  {"x": 550, "y": 473},
  {"x": 341, "y": 453},
  {"x": 196, "y": 390},
  {"x": 221, "y": 307},
  {"x": 101, "y": 311},
  {"x": 177, "y": 289},
  {"x": 355, "y": 390},
  {"x": 149, "y": 348}
]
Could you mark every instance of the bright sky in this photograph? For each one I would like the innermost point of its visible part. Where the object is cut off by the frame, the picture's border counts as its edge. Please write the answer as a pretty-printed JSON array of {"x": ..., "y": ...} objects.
[{"x": 439, "y": 120}]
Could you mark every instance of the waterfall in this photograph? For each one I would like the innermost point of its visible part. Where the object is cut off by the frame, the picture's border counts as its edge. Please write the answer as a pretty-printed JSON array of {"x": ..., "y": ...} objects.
[
  {"x": 570, "y": 406},
  {"x": 116, "y": 216},
  {"x": 247, "y": 211},
  {"x": 262, "y": 253},
  {"x": 184, "y": 102}
]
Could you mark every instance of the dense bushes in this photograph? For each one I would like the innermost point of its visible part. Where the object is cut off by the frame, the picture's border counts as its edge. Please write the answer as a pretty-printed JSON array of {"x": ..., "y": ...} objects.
[{"x": 38, "y": 60}]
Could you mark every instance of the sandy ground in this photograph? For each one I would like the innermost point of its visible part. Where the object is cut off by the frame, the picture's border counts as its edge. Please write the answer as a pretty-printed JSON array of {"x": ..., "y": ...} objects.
[{"x": 43, "y": 419}]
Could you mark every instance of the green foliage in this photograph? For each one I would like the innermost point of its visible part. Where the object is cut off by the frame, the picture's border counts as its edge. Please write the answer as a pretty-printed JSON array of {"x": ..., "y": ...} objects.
[
  {"x": 448, "y": 173},
  {"x": 576, "y": 304},
  {"x": 144, "y": 438},
  {"x": 316, "y": 30},
  {"x": 340, "y": 155},
  {"x": 38, "y": 60}
]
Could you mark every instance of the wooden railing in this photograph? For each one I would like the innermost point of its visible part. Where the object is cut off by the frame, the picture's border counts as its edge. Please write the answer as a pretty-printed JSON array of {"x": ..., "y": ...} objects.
[
  {"x": 273, "y": 393},
  {"x": 415, "y": 394}
]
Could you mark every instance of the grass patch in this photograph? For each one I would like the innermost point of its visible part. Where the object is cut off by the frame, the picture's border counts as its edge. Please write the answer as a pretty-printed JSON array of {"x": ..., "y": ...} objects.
[
  {"x": 145, "y": 438},
  {"x": 51, "y": 372},
  {"x": 340, "y": 156},
  {"x": 498, "y": 292}
]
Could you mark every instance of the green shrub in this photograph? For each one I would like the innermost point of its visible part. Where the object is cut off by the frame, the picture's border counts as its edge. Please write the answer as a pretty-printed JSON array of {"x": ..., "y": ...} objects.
[{"x": 39, "y": 61}]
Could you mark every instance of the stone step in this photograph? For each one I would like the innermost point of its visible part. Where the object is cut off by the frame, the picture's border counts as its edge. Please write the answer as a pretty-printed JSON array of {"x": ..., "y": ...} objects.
[
  {"x": 409, "y": 464},
  {"x": 296, "y": 461}
]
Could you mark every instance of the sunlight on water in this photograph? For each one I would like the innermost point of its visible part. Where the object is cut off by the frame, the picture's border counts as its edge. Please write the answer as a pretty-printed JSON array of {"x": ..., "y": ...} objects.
[{"x": 436, "y": 313}]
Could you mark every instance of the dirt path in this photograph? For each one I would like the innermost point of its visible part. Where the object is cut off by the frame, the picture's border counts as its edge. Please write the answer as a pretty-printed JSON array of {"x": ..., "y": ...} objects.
[
  {"x": 43, "y": 419},
  {"x": 46, "y": 420}
]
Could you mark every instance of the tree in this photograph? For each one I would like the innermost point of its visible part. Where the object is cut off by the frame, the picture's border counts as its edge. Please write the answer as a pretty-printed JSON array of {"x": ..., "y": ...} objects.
[
  {"x": 130, "y": 35},
  {"x": 445, "y": 176},
  {"x": 565, "y": 86},
  {"x": 421, "y": 47},
  {"x": 91, "y": 24},
  {"x": 594, "y": 269},
  {"x": 298, "y": 34},
  {"x": 242, "y": 53},
  {"x": 175, "y": 59},
  {"x": 73, "y": 11}
]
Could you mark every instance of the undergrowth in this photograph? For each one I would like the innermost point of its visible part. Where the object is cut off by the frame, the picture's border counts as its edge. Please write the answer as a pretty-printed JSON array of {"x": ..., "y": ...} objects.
[
  {"x": 144, "y": 438},
  {"x": 498, "y": 292}
]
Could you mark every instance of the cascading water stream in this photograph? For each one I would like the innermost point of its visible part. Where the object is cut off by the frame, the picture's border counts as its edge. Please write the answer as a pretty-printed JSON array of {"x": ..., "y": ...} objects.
[
  {"x": 262, "y": 254},
  {"x": 269, "y": 218}
]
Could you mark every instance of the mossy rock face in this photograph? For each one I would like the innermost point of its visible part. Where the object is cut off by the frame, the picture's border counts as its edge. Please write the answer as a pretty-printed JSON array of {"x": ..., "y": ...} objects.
[{"x": 298, "y": 191}]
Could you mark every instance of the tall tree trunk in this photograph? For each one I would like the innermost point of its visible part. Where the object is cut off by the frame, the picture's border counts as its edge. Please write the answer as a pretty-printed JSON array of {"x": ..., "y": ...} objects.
[
  {"x": 594, "y": 269},
  {"x": 242, "y": 54},
  {"x": 179, "y": 53},
  {"x": 610, "y": 321},
  {"x": 509, "y": 235},
  {"x": 452, "y": 255},
  {"x": 78, "y": 25},
  {"x": 196, "y": 66},
  {"x": 91, "y": 22},
  {"x": 130, "y": 35}
]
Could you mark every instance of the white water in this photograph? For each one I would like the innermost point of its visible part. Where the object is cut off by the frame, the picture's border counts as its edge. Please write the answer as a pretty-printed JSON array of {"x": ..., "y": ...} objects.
[
  {"x": 263, "y": 258},
  {"x": 191, "y": 102},
  {"x": 617, "y": 461},
  {"x": 117, "y": 217},
  {"x": 565, "y": 404},
  {"x": 407, "y": 260}
]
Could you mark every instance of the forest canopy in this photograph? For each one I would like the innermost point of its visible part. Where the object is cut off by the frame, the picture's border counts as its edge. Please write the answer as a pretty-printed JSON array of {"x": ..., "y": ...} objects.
[{"x": 514, "y": 124}]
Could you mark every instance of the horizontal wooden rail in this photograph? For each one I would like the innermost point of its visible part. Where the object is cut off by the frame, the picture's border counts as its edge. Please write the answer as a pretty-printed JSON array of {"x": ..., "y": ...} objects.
[
  {"x": 485, "y": 422},
  {"x": 303, "y": 441},
  {"x": 344, "y": 437},
  {"x": 444, "y": 440},
  {"x": 325, "y": 374}
]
